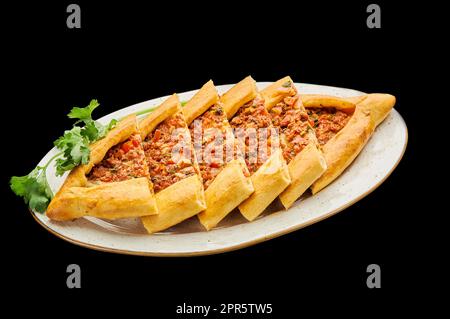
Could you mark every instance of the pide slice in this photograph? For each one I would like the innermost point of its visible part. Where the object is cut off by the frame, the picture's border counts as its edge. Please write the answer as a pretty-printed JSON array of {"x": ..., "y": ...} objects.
[
  {"x": 114, "y": 184},
  {"x": 172, "y": 166},
  {"x": 224, "y": 172},
  {"x": 300, "y": 148},
  {"x": 252, "y": 125},
  {"x": 343, "y": 126}
]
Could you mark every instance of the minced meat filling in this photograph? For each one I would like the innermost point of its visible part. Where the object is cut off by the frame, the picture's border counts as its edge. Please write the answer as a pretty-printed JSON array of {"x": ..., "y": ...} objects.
[
  {"x": 327, "y": 122},
  {"x": 254, "y": 115},
  {"x": 293, "y": 124},
  {"x": 214, "y": 122},
  {"x": 122, "y": 162},
  {"x": 166, "y": 168}
]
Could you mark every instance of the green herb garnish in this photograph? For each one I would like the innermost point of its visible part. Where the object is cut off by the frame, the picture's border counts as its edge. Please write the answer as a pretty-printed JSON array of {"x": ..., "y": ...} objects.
[
  {"x": 33, "y": 188},
  {"x": 74, "y": 146},
  {"x": 75, "y": 142}
]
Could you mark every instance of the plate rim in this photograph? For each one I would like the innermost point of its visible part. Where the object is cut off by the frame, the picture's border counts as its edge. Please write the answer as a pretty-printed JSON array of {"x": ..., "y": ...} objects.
[{"x": 241, "y": 245}]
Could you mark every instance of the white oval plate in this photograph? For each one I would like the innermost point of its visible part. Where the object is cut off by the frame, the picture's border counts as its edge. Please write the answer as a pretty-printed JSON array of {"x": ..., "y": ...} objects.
[{"x": 375, "y": 163}]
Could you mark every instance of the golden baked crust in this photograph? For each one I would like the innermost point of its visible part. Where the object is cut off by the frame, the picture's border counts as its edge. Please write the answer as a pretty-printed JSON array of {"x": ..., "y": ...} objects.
[
  {"x": 75, "y": 199},
  {"x": 304, "y": 169},
  {"x": 169, "y": 107},
  {"x": 340, "y": 151},
  {"x": 125, "y": 199},
  {"x": 316, "y": 100},
  {"x": 276, "y": 92},
  {"x": 228, "y": 190},
  {"x": 176, "y": 203},
  {"x": 268, "y": 181},
  {"x": 238, "y": 95},
  {"x": 309, "y": 164},
  {"x": 379, "y": 105},
  {"x": 272, "y": 177},
  {"x": 200, "y": 102},
  {"x": 182, "y": 199}
]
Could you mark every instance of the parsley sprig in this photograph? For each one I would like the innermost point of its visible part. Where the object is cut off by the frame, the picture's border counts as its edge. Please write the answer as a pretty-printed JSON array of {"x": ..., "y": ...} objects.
[
  {"x": 75, "y": 142},
  {"x": 34, "y": 187},
  {"x": 74, "y": 146}
]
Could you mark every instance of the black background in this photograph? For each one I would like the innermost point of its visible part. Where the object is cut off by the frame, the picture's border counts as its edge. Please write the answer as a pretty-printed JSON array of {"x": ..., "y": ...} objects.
[{"x": 129, "y": 52}]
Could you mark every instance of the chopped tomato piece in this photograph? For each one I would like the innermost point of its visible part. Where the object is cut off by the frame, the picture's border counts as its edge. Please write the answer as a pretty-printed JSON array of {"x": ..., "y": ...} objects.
[
  {"x": 214, "y": 165},
  {"x": 136, "y": 143},
  {"x": 157, "y": 135},
  {"x": 126, "y": 147}
]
